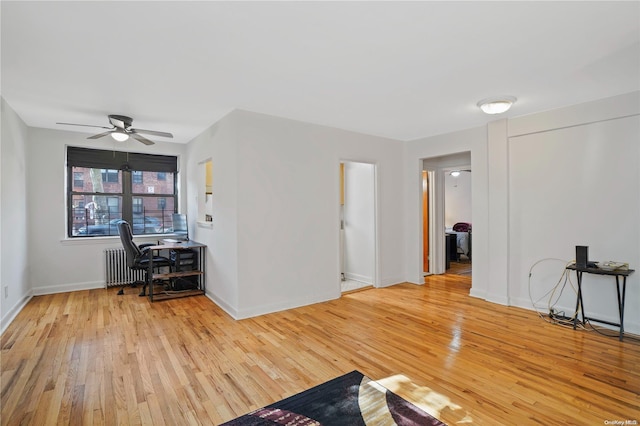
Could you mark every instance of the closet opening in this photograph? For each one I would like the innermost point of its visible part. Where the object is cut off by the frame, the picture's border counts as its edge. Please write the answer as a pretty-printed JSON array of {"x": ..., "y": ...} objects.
[{"x": 358, "y": 236}]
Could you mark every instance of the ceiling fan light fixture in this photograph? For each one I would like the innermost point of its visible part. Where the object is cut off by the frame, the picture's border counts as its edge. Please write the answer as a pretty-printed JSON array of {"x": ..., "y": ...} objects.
[
  {"x": 497, "y": 104},
  {"x": 120, "y": 136}
]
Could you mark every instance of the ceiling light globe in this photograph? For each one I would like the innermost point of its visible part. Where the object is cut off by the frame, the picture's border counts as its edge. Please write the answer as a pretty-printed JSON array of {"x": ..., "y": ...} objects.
[
  {"x": 119, "y": 136},
  {"x": 455, "y": 173},
  {"x": 496, "y": 105}
]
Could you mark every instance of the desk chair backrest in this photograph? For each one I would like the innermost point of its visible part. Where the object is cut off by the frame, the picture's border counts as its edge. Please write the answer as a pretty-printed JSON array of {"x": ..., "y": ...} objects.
[{"x": 133, "y": 252}]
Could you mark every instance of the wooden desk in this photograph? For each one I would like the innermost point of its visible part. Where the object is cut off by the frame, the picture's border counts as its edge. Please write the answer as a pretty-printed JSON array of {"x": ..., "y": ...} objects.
[
  {"x": 177, "y": 273},
  {"x": 617, "y": 273}
]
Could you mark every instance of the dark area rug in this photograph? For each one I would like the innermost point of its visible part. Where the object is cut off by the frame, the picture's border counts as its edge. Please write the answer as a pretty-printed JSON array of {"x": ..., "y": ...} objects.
[{"x": 349, "y": 400}]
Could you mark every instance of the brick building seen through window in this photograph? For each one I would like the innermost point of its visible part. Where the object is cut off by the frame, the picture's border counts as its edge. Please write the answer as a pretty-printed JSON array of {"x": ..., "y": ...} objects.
[{"x": 95, "y": 210}]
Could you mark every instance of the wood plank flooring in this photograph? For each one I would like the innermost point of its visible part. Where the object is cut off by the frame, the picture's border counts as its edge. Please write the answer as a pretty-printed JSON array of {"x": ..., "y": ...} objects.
[
  {"x": 462, "y": 267},
  {"x": 92, "y": 357}
]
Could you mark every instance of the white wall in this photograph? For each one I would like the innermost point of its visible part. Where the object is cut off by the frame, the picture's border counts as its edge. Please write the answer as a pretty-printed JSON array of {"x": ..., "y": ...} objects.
[
  {"x": 359, "y": 221},
  {"x": 14, "y": 230},
  {"x": 439, "y": 150},
  {"x": 57, "y": 263},
  {"x": 217, "y": 143},
  {"x": 574, "y": 180},
  {"x": 285, "y": 177},
  {"x": 542, "y": 184},
  {"x": 457, "y": 198}
]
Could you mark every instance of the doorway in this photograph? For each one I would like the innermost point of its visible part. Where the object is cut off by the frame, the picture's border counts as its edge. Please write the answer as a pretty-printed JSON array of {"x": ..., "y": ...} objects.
[
  {"x": 446, "y": 201},
  {"x": 457, "y": 219},
  {"x": 358, "y": 237},
  {"x": 425, "y": 222}
]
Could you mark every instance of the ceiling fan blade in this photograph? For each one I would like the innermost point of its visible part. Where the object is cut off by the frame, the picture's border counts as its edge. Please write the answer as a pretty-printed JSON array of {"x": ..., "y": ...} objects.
[
  {"x": 100, "y": 135},
  {"x": 142, "y": 139},
  {"x": 152, "y": 132},
  {"x": 85, "y": 125}
]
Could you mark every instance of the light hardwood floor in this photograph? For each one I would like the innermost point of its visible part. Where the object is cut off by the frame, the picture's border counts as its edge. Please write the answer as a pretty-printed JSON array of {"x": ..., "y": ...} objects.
[{"x": 92, "y": 357}]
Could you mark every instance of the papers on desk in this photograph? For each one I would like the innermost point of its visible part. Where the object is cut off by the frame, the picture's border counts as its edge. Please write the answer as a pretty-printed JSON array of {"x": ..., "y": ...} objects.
[
  {"x": 612, "y": 266},
  {"x": 172, "y": 240}
]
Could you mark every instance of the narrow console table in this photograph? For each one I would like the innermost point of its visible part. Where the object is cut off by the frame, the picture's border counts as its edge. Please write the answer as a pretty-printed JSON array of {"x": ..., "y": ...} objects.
[
  {"x": 621, "y": 290},
  {"x": 178, "y": 271}
]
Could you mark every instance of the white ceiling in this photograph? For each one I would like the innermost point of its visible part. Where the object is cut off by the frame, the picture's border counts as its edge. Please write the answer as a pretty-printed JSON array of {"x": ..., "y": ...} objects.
[{"x": 403, "y": 70}]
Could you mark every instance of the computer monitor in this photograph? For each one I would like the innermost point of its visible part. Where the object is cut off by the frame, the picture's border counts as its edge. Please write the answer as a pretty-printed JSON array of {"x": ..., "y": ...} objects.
[{"x": 180, "y": 226}]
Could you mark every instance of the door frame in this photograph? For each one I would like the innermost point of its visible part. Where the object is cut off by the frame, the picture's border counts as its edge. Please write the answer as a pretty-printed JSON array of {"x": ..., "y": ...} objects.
[
  {"x": 438, "y": 165},
  {"x": 376, "y": 230},
  {"x": 426, "y": 267}
]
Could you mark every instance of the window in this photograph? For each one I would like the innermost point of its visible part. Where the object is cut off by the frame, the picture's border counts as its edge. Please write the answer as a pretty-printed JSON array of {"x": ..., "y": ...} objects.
[
  {"x": 106, "y": 186},
  {"x": 111, "y": 176},
  {"x": 137, "y": 205},
  {"x": 78, "y": 180}
]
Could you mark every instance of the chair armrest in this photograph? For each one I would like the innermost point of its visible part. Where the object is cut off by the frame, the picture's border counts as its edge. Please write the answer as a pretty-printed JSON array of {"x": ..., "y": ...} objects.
[{"x": 144, "y": 248}]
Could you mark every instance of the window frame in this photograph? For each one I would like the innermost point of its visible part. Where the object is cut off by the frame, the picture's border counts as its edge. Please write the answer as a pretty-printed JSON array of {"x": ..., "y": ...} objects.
[
  {"x": 108, "y": 174},
  {"x": 137, "y": 177},
  {"x": 126, "y": 163}
]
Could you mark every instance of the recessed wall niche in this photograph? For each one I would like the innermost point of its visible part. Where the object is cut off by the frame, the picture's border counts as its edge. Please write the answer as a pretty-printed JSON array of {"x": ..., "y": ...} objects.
[{"x": 205, "y": 191}]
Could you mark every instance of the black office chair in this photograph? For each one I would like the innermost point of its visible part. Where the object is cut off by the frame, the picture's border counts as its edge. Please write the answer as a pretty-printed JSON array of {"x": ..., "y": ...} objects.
[{"x": 138, "y": 256}]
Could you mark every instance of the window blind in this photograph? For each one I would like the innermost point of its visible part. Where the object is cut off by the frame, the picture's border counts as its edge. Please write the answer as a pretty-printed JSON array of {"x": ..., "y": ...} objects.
[{"x": 118, "y": 160}]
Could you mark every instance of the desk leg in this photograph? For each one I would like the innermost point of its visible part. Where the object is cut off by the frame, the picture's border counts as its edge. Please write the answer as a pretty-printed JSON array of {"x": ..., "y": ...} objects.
[
  {"x": 579, "y": 304},
  {"x": 202, "y": 265},
  {"x": 178, "y": 261},
  {"x": 150, "y": 276},
  {"x": 621, "y": 302}
]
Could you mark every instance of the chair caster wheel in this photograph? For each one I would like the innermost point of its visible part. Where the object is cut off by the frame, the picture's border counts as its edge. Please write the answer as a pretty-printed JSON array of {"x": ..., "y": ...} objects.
[{"x": 121, "y": 292}]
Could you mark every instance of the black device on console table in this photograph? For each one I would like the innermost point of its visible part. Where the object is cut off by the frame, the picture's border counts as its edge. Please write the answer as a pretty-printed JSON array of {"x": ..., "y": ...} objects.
[{"x": 582, "y": 258}]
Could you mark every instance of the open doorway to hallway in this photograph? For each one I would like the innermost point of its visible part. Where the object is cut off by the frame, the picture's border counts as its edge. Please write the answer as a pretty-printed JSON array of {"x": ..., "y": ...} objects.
[
  {"x": 357, "y": 225},
  {"x": 448, "y": 237},
  {"x": 457, "y": 219}
]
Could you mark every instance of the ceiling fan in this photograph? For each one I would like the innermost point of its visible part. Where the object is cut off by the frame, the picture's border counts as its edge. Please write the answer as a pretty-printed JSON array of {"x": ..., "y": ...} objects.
[{"x": 121, "y": 130}]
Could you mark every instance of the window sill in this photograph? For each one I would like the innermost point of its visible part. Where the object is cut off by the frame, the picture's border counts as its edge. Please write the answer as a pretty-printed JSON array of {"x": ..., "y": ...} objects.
[
  {"x": 203, "y": 224},
  {"x": 111, "y": 239}
]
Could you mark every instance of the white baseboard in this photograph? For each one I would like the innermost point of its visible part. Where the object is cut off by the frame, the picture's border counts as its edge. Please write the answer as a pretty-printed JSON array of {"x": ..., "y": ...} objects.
[
  {"x": 264, "y": 309},
  {"x": 65, "y": 288},
  {"x": 14, "y": 311},
  {"x": 477, "y": 294},
  {"x": 222, "y": 304},
  {"x": 629, "y": 326},
  {"x": 389, "y": 281},
  {"x": 360, "y": 278},
  {"x": 289, "y": 304},
  {"x": 499, "y": 299}
]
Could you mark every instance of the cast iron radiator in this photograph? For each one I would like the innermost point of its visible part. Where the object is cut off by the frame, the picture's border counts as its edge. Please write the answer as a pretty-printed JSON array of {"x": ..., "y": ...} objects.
[{"x": 116, "y": 271}]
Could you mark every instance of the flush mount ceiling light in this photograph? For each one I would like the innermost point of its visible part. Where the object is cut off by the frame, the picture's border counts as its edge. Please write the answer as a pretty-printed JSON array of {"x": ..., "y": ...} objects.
[
  {"x": 497, "y": 104},
  {"x": 120, "y": 136},
  {"x": 456, "y": 173}
]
